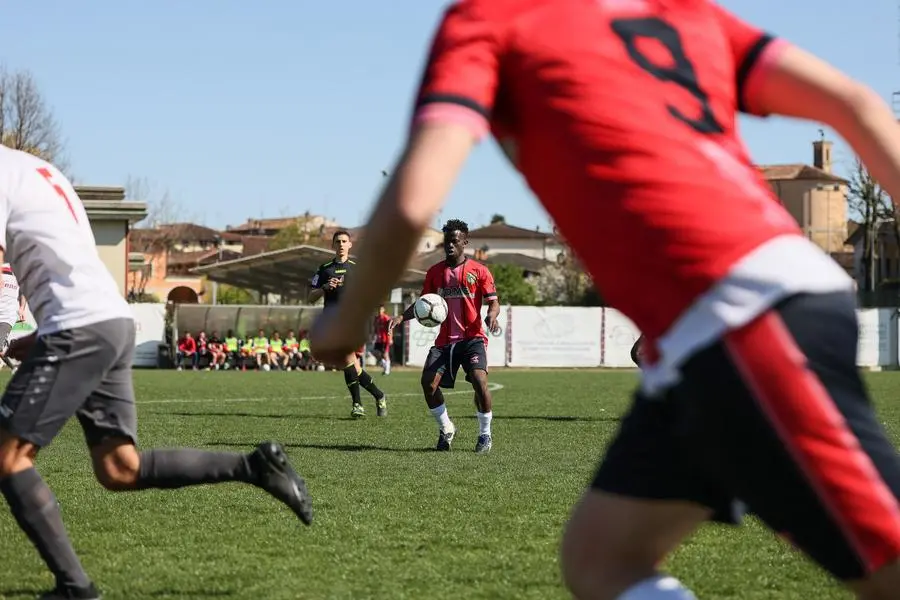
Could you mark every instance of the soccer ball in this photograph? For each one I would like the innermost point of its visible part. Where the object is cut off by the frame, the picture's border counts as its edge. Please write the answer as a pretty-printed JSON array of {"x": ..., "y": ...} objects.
[
  {"x": 266, "y": 367},
  {"x": 430, "y": 310}
]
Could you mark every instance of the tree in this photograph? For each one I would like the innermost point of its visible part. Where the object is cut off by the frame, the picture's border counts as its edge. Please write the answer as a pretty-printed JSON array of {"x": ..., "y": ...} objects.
[
  {"x": 497, "y": 218},
  {"x": 512, "y": 287},
  {"x": 871, "y": 204},
  {"x": 299, "y": 232},
  {"x": 26, "y": 123},
  {"x": 228, "y": 294},
  {"x": 162, "y": 208}
]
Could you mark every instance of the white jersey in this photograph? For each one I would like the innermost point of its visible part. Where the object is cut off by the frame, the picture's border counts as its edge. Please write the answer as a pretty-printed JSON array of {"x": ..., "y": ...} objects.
[
  {"x": 9, "y": 296},
  {"x": 47, "y": 238}
]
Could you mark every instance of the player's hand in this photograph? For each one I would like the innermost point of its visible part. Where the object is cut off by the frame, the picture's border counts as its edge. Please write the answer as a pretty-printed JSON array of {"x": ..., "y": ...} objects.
[
  {"x": 332, "y": 337},
  {"x": 331, "y": 283},
  {"x": 398, "y": 320},
  {"x": 19, "y": 348},
  {"x": 492, "y": 323}
]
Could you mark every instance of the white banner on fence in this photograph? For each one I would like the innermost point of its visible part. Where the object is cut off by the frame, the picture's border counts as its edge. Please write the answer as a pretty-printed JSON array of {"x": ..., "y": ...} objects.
[
  {"x": 149, "y": 332},
  {"x": 421, "y": 339},
  {"x": 619, "y": 336},
  {"x": 556, "y": 337}
]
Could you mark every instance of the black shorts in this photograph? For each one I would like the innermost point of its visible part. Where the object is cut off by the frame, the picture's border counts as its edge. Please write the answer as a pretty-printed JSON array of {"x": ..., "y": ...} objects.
[
  {"x": 84, "y": 372},
  {"x": 446, "y": 360},
  {"x": 775, "y": 418},
  {"x": 380, "y": 347}
]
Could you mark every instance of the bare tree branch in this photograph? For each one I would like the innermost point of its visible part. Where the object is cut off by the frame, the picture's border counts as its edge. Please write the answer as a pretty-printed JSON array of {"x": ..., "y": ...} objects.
[
  {"x": 26, "y": 123},
  {"x": 872, "y": 206}
]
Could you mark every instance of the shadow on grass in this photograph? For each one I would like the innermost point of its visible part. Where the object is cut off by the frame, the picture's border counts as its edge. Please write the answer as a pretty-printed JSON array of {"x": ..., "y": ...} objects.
[
  {"x": 336, "y": 447},
  {"x": 170, "y": 593},
  {"x": 551, "y": 418},
  {"x": 20, "y": 592},
  {"x": 300, "y": 417}
]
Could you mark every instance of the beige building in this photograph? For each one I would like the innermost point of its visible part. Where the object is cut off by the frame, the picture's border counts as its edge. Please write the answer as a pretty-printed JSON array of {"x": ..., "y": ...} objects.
[
  {"x": 814, "y": 195},
  {"x": 111, "y": 218}
]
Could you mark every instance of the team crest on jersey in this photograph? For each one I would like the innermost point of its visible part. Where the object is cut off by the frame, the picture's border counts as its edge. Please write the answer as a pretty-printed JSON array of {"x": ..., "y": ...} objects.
[{"x": 471, "y": 279}]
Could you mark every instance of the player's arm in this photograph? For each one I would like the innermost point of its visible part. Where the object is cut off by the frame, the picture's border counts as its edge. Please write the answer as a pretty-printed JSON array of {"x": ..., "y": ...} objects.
[
  {"x": 428, "y": 287},
  {"x": 316, "y": 289},
  {"x": 777, "y": 78},
  {"x": 489, "y": 293},
  {"x": 450, "y": 117}
]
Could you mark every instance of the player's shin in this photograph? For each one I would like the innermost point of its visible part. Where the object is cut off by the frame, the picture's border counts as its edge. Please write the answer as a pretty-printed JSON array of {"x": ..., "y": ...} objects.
[
  {"x": 365, "y": 380},
  {"x": 36, "y": 510},
  {"x": 351, "y": 377},
  {"x": 179, "y": 467}
]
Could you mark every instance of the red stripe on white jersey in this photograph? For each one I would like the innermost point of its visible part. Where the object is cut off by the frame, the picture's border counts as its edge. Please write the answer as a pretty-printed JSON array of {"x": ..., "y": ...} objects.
[{"x": 818, "y": 438}]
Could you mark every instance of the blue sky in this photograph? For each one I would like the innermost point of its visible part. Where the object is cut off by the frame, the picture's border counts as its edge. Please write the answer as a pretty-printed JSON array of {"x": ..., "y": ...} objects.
[{"x": 246, "y": 112}]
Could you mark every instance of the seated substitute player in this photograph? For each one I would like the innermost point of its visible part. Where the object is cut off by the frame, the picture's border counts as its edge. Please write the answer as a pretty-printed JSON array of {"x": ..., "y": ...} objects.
[
  {"x": 621, "y": 117},
  {"x": 464, "y": 284},
  {"x": 328, "y": 282},
  {"x": 78, "y": 363}
]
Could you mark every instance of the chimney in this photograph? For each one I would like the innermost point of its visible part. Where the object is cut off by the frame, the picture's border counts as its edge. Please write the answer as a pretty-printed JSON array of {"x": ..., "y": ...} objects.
[{"x": 822, "y": 155}]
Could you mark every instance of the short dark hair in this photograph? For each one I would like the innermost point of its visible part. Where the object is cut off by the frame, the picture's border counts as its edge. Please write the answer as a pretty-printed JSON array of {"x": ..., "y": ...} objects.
[
  {"x": 455, "y": 225},
  {"x": 339, "y": 233}
]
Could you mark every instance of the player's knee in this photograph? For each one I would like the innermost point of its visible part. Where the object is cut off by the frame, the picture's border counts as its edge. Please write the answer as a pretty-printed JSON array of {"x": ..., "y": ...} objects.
[
  {"x": 429, "y": 383},
  {"x": 880, "y": 585},
  {"x": 16, "y": 455},
  {"x": 116, "y": 464},
  {"x": 597, "y": 561}
]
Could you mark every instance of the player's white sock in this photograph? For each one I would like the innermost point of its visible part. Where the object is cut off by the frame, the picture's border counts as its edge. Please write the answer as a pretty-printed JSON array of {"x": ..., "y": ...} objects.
[
  {"x": 660, "y": 587},
  {"x": 442, "y": 418},
  {"x": 484, "y": 422},
  {"x": 387, "y": 366}
]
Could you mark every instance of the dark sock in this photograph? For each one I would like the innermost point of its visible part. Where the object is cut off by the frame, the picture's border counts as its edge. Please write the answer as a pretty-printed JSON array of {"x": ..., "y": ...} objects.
[
  {"x": 180, "y": 467},
  {"x": 36, "y": 510},
  {"x": 352, "y": 379},
  {"x": 366, "y": 381}
]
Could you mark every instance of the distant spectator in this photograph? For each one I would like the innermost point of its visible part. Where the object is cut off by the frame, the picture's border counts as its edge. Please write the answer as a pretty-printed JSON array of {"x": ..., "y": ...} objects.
[{"x": 187, "y": 350}]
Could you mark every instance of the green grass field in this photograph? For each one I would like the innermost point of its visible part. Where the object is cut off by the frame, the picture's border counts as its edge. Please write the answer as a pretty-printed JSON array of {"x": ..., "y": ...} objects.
[{"x": 394, "y": 520}]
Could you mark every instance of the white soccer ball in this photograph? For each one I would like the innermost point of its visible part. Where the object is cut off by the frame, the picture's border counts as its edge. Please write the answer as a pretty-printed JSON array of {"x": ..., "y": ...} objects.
[
  {"x": 430, "y": 310},
  {"x": 320, "y": 368},
  {"x": 266, "y": 367}
]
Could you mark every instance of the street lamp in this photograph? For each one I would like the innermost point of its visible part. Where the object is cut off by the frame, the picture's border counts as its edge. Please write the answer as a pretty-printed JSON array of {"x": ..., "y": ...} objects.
[{"x": 215, "y": 290}]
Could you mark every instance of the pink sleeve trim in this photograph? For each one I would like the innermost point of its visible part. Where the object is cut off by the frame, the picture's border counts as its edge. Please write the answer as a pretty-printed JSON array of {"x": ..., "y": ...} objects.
[
  {"x": 767, "y": 59},
  {"x": 447, "y": 112}
]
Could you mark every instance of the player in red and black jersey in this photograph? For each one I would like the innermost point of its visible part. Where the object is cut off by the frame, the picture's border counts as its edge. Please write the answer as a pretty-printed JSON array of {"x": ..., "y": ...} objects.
[
  {"x": 621, "y": 115},
  {"x": 465, "y": 284},
  {"x": 383, "y": 334}
]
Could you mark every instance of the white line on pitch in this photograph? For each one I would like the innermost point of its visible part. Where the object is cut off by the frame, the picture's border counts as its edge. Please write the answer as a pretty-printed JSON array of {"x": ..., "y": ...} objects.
[{"x": 491, "y": 386}]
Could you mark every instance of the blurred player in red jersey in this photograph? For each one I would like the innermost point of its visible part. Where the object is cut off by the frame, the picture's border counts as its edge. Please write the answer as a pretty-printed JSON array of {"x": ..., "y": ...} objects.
[
  {"x": 383, "y": 339},
  {"x": 621, "y": 116},
  {"x": 461, "y": 342}
]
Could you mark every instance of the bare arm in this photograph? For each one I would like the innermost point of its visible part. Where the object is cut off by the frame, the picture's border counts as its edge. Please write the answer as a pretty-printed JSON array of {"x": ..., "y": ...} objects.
[
  {"x": 315, "y": 294},
  {"x": 797, "y": 84}
]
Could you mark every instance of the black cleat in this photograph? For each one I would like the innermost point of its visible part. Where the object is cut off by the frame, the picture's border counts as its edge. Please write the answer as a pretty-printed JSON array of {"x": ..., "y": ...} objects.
[
  {"x": 68, "y": 592},
  {"x": 274, "y": 474}
]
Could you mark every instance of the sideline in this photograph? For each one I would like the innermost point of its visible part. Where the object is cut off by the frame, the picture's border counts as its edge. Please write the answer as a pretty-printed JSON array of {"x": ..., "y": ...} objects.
[{"x": 491, "y": 386}]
